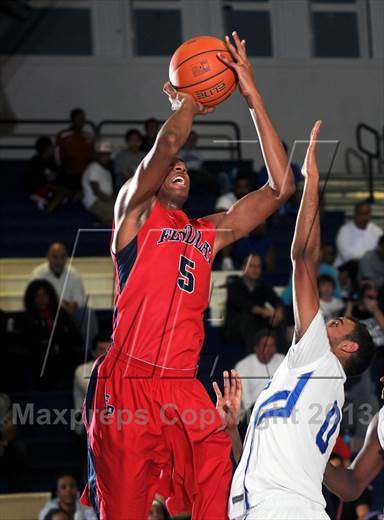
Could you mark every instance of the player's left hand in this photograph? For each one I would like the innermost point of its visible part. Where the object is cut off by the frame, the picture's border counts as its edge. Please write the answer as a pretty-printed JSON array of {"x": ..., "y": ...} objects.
[
  {"x": 176, "y": 98},
  {"x": 240, "y": 64},
  {"x": 228, "y": 405}
]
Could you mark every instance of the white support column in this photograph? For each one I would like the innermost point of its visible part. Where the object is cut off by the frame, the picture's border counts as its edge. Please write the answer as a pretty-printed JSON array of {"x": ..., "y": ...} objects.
[
  {"x": 107, "y": 27},
  {"x": 292, "y": 30}
]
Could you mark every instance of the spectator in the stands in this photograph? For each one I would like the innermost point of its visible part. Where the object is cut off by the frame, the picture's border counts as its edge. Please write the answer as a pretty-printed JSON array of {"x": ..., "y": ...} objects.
[
  {"x": 98, "y": 194},
  {"x": 69, "y": 288},
  {"x": 366, "y": 309},
  {"x": 151, "y": 129},
  {"x": 292, "y": 205},
  {"x": 66, "y": 497},
  {"x": 371, "y": 265},
  {"x": 325, "y": 268},
  {"x": 357, "y": 236},
  {"x": 330, "y": 306},
  {"x": 128, "y": 159},
  {"x": 190, "y": 154},
  {"x": 13, "y": 451},
  {"x": 57, "y": 514},
  {"x": 42, "y": 177},
  {"x": 251, "y": 304},
  {"x": 258, "y": 367},
  {"x": 242, "y": 187},
  {"x": 83, "y": 372},
  {"x": 262, "y": 177},
  {"x": 74, "y": 150},
  {"x": 47, "y": 331},
  {"x": 159, "y": 511},
  {"x": 259, "y": 242}
]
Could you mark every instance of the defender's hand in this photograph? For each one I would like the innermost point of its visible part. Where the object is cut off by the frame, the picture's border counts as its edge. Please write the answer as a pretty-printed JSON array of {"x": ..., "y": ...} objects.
[
  {"x": 228, "y": 405},
  {"x": 310, "y": 168},
  {"x": 177, "y": 99},
  {"x": 240, "y": 64}
]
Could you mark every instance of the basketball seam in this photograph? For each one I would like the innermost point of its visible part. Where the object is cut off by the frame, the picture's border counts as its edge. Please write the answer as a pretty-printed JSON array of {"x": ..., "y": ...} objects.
[
  {"x": 198, "y": 54},
  {"x": 203, "y": 80}
]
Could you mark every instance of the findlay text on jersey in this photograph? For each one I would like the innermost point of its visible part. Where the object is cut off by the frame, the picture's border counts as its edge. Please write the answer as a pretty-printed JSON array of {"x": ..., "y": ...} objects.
[{"x": 188, "y": 235}]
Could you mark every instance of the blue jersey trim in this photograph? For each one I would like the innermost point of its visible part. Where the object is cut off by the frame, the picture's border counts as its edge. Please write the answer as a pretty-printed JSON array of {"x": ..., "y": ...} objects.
[{"x": 125, "y": 259}]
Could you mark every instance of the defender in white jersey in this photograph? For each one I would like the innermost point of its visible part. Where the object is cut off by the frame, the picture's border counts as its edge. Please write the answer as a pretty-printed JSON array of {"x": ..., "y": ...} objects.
[
  {"x": 297, "y": 416},
  {"x": 349, "y": 483}
]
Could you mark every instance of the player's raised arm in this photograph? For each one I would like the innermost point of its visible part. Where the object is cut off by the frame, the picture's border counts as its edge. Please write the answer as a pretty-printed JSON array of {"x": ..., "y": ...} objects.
[
  {"x": 305, "y": 251},
  {"x": 255, "y": 207},
  {"x": 135, "y": 196},
  {"x": 349, "y": 483}
]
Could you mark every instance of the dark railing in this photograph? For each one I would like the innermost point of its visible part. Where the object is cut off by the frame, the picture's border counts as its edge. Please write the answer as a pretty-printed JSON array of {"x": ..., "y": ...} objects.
[
  {"x": 232, "y": 142},
  {"x": 373, "y": 154},
  {"x": 229, "y": 138}
]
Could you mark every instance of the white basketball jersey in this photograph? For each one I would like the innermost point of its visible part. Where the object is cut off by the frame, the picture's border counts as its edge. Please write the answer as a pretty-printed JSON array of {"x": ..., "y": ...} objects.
[
  {"x": 293, "y": 427},
  {"x": 380, "y": 427}
]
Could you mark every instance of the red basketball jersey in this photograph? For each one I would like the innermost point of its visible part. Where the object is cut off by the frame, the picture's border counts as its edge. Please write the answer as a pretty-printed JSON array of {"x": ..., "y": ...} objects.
[{"x": 162, "y": 289}]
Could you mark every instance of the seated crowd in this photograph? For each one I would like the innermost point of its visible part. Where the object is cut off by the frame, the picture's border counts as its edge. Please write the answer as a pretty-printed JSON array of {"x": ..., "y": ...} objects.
[{"x": 59, "y": 331}]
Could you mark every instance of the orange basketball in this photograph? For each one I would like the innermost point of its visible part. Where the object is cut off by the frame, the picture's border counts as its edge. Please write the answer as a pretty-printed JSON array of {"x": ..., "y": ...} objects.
[{"x": 196, "y": 69}]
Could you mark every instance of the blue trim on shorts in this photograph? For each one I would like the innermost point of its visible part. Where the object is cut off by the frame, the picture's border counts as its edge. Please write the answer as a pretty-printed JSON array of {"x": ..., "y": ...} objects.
[
  {"x": 91, "y": 390},
  {"x": 92, "y": 483}
]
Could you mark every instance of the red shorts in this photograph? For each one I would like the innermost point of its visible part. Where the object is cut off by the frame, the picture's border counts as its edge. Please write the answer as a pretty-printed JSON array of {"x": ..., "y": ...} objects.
[{"x": 153, "y": 430}]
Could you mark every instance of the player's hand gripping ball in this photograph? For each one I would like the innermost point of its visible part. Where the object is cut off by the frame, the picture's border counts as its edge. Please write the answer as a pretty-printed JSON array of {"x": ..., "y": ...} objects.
[{"x": 195, "y": 69}]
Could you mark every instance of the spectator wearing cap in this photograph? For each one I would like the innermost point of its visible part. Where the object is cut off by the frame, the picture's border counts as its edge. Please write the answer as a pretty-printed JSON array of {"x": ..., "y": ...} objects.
[
  {"x": 98, "y": 194},
  {"x": 74, "y": 150},
  {"x": 128, "y": 159}
]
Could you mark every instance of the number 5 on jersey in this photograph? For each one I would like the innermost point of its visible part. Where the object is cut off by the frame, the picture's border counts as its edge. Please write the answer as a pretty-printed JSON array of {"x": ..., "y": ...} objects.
[{"x": 186, "y": 282}]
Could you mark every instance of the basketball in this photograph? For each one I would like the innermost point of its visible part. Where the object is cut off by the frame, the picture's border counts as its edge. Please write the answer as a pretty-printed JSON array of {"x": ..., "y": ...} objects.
[{"x": 196, "y": 70}]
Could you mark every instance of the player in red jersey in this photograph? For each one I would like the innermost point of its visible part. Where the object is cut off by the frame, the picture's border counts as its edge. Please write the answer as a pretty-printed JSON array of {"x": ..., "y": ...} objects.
[{"x": 145, "y": 410}]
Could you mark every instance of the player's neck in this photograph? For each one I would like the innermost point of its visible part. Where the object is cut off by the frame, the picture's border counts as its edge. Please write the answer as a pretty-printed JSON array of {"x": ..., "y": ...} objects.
[{"x": 169, "y": 204}]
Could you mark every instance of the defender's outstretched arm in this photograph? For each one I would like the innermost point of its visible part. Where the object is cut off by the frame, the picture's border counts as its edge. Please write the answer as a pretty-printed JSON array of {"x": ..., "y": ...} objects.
[{"x": 305, "y": 251}]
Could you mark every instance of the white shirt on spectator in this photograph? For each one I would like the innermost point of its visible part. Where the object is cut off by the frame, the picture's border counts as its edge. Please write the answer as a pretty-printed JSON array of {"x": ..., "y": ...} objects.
[
  {"x": 224, "y": 202},
  {"x": 82, "y": 512},
  {"x": 353, "y": 242},
  {"x": 74, "y": 288},
  {"x": 254, "y": 376},
  {"x": 332, "y": 308},
  {"x": 95, "y": 173}
]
